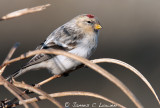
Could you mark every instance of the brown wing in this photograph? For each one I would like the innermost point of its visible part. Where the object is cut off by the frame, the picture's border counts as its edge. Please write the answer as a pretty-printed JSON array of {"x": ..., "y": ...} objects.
[{"x": 43, "y": 57}]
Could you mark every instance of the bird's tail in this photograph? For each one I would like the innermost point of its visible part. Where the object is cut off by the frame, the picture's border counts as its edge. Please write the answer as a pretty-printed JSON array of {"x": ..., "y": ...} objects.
[{"x": 15, "y": 74}]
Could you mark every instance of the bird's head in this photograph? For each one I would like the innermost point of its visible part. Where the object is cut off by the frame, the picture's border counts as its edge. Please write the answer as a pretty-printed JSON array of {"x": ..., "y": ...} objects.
[{"x": 88, "y": 23}]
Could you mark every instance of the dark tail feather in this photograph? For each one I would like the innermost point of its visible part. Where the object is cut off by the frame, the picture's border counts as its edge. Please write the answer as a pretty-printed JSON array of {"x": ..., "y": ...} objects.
[{"x": 14, "y": 75}]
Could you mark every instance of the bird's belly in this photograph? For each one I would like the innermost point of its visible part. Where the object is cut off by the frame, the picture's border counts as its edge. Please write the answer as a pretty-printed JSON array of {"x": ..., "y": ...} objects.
[{"x": 61, "y": 64}]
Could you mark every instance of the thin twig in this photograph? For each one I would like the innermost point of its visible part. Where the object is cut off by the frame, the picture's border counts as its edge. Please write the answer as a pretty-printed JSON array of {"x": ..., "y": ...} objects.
[
  {"x": 23, "y": 12},
  {"x": 5, "y": 83},
  {"x": 110, "y": 60},
  {"x": 95, "y": 67},
  {"x": 72, "y": 93},
  {"x": 38, "y": 91},
  {"x": 40, "y": 84},
  {"x": 9, "y": 56},
  {"x": 47, "y": 80}
]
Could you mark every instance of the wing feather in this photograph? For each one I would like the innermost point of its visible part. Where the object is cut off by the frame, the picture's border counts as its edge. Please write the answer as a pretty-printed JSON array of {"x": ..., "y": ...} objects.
[{"x": 43, "y": 57}]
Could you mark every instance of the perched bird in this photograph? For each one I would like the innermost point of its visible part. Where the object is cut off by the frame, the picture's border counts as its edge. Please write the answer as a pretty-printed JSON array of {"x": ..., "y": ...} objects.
[{"x": 79, "y": 36}]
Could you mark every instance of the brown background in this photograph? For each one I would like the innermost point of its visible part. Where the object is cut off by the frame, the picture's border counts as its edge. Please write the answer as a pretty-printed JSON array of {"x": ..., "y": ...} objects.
[{"x": 130, "y": 33}]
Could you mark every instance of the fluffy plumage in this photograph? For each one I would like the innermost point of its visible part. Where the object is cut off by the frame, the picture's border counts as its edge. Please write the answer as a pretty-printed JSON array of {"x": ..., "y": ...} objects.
[{"x": 78, "y": 36}]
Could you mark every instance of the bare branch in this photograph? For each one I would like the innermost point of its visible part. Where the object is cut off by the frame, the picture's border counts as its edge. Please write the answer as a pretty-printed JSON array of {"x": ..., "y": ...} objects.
[
  {"x": 38, "y": 91},
  {"x": 5, "y": 83},
  {"x": 47, "y": 80},
  {"x": 110, "y": 60},
  {"x": 9, "y": 56},
  {"x": 72, "y": 93},
  {"x": 95, "y": 67},
  {"x": 23, "y": 12}
]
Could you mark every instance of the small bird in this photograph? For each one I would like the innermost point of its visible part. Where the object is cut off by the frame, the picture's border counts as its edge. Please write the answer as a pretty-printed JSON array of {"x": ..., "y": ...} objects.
[{"x": 79, "y": 36}]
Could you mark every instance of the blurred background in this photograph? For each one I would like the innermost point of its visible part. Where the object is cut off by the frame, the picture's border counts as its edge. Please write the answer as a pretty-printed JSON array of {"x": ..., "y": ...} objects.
[{"x": 130, "y": 33}]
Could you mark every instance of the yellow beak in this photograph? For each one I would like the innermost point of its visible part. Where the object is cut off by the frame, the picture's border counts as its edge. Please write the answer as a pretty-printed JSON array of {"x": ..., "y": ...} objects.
[{"x": 97, "y": 26}]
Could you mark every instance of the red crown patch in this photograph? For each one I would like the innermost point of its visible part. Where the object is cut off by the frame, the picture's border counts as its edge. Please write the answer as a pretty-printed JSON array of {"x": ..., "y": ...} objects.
[{"x": 90, "y": 16}]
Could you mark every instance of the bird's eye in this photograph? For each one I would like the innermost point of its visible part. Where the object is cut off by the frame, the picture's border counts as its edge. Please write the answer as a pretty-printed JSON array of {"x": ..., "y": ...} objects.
[{"x": 89, "y": 22}]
